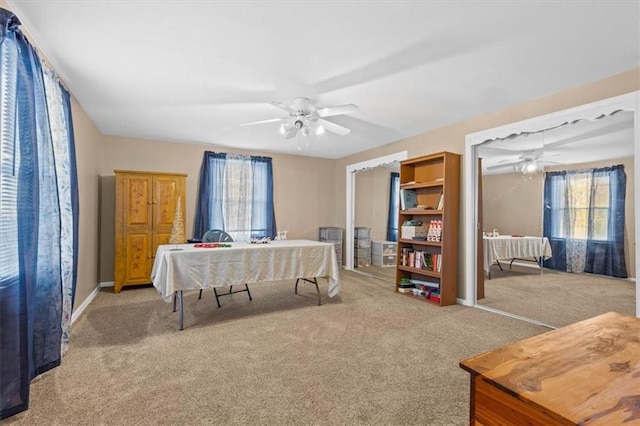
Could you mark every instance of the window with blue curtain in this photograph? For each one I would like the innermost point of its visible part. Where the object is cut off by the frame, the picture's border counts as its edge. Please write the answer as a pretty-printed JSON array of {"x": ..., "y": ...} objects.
[
  {"x": 394, "y": 206},
  {"x": 584, "y": 219},
  {"x": 235, "y": 195},
  {"x": 39, "y": 217}
]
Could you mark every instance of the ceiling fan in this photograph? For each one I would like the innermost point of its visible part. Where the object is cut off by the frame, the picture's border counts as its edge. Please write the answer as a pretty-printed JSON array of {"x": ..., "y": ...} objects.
[
  {"x": 528, "y": 162},
  {"x": 305, "y": 117}
]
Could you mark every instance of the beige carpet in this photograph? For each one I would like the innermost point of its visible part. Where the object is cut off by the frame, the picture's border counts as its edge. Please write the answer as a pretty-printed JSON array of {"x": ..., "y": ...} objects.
[
  {"x": 557, "y": 298},
  {"x": 387, "y": 274},
  {"x": 366, "y": 356}
]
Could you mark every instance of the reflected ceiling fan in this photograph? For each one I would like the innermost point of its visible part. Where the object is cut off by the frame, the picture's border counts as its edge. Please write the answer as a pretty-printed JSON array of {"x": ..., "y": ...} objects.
[
  {"x": 528, "y": 162},
  {"x": 304, "y": 117}
]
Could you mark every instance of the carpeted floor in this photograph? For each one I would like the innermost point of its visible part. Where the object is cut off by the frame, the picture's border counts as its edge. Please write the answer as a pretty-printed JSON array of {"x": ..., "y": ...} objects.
[
  {"x": 367, "y": 356},
  {"x": 387, "y": 274},
  {"x": 557, "y": 298}
]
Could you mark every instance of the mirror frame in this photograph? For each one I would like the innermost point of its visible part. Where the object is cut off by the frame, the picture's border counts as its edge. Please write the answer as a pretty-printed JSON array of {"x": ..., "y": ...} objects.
[
  {"x": 626, "y": 102},
  {"x": 352, "y": 169}
]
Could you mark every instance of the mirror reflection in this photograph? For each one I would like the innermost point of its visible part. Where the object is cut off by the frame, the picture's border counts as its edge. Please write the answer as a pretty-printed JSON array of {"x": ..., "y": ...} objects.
[
  {"x": 558, "y": 214},
  {"x": 376, "y": 216}
]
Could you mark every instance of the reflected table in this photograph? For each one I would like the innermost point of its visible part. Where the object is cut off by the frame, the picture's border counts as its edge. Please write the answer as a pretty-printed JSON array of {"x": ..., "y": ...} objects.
[
  {"x": 188, "y": 267},
  {"x": 514, "y": 247}
]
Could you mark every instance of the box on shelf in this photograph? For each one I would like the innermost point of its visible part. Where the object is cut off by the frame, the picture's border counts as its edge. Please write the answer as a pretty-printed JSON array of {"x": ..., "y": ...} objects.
[{"x": 409, "y": 232}]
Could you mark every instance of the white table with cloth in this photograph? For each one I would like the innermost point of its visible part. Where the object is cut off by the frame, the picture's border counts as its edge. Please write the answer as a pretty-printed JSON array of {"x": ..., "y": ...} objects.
[
  {"x": 514, "y": 247},
  {"x": 189, "y": 267}
]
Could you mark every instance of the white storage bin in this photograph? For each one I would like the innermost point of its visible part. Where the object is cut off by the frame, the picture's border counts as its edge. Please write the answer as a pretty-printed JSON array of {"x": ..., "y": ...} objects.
[
  {"x": 330, "y": 234},
  {"x": 363, "y": 263},
  {"x": 384, "y": 247}
]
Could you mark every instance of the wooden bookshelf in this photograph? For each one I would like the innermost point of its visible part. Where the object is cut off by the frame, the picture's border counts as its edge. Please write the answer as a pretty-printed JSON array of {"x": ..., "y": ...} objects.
[{"x": 436, "y": 180}]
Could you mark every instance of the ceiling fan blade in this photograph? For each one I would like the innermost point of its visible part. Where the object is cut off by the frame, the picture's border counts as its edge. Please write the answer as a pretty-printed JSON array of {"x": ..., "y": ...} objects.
[
  {"x": 337, "y": 110},
  {"x": 281, "y": 106},
  {"x": 504, "y": 165},
  {"x": 271, "y": 120},
  {"x": 333, "y": 127}
]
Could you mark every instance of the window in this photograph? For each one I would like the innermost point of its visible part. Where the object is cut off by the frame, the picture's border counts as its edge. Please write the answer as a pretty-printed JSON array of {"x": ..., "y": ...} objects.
[
  {"x": 584, "y": 216},
  {"x": 235, "y": 195},
  {"x": 581, "y": 198}
]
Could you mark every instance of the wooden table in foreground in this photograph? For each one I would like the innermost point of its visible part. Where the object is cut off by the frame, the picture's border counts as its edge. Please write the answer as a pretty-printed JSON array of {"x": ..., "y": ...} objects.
[{"x": 587, "y": 373}]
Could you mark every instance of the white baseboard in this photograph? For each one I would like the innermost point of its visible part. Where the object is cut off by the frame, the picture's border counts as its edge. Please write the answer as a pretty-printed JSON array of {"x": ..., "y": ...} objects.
[{"x": 78, "y": 311}]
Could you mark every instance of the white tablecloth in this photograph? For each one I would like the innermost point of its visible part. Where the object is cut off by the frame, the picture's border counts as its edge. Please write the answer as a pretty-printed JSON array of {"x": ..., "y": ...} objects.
[
  {"x": 192, "y": 268},
  {"x": 508, "y": 247}
]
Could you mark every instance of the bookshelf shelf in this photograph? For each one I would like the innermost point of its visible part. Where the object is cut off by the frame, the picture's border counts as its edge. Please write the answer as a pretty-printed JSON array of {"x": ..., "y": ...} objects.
[
  {"x": 420, "y": 298},
  {"x": 420, "y": 242},
  {"x": 418, "y": 212},
  {"x": 420, "y": 271},
  {"x": 432, "y": 181}
]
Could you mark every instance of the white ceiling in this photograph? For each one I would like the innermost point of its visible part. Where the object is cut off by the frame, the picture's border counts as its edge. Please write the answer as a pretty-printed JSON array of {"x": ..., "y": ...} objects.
[
  {"x": 193, "y": 71},
  {"x": 607, "y": 138}
]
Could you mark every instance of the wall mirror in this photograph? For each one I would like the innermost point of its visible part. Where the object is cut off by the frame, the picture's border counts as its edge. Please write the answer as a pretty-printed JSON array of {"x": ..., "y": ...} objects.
[
  {"x": 367, "y": 204},
  {"x": 375, "y": 257},
  {"x": 558, "y": 224}
]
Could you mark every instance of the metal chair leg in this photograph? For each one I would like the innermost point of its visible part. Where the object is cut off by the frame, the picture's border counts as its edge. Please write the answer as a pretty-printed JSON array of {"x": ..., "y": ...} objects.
[
  {"x": 248, "y": 292},
  {"x": 175, "y": 295},
  {"x": 200, "y": 295}
]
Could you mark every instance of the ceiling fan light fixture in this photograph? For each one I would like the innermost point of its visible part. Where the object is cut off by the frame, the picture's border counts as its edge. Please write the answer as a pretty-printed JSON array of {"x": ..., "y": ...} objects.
[
  {"x": 528, "y": 166},
  {"x": 304, "y": 118}
]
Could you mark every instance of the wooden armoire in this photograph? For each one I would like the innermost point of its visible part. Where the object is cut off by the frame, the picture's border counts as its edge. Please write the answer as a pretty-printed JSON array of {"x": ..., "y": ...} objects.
[{"x": 146, "y": 205}]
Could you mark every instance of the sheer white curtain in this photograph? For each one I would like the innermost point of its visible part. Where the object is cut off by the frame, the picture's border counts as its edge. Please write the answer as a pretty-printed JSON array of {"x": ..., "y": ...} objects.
[
  {"x": 59, "y": 127},
  {"x": 576, "y": 244},
  {"x": 237, "y": 198}
]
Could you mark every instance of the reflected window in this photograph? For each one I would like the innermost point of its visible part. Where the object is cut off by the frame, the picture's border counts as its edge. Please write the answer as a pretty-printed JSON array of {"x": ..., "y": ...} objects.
[{"x": 580, "y": 198}]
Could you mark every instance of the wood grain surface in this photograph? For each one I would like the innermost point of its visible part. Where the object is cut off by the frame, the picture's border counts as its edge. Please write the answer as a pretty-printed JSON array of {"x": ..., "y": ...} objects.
[{"x": 585, "y": 373}]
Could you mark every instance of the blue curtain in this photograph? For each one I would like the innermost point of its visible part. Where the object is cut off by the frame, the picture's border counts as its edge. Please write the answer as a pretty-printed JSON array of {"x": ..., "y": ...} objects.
[
  {"x": 604, "y": 252},
  {"x": 394, "y": 201},
  {"x": 606, "y": 257},
  {"x": 554, "y": 199},
  {"x": 211, "y": 190},
  {"x": 38, "y": 221},
  {"x": 263, "y": 220}
]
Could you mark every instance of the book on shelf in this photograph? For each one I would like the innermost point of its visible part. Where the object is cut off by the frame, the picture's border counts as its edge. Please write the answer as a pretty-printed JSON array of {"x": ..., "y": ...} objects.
[
  {"x": 434, "y": 234},
  {"x": 408, "y": 199},
  {"x": 440, "y": 203}
]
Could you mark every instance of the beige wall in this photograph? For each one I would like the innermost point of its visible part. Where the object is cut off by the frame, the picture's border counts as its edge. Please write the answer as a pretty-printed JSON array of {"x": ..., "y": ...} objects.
[
  {"x": 309, "y": 192},
  {"x": 303, "y": 186},
  {"x": 88, "y": 150},
  {"x": 512, "y": 203},
  {"x": 88, "y": 146},
  {"x": 452, "y": 138},
  {"x": 372, "y": 201}
]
